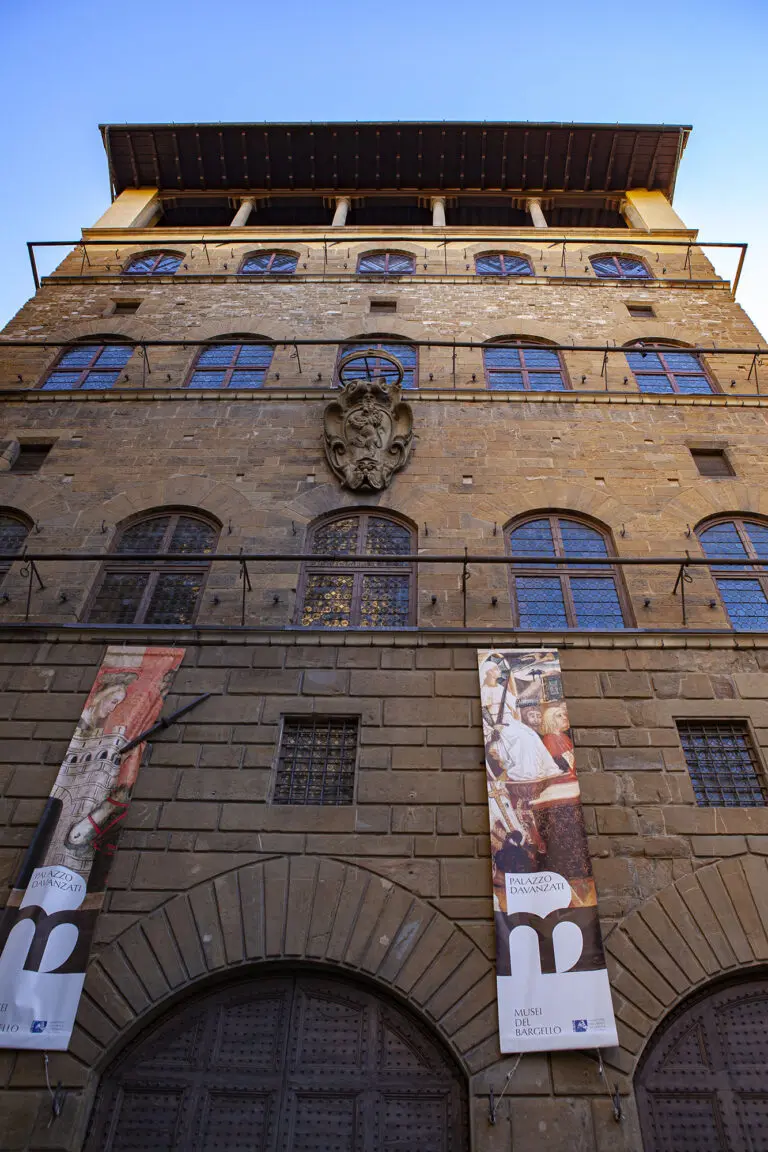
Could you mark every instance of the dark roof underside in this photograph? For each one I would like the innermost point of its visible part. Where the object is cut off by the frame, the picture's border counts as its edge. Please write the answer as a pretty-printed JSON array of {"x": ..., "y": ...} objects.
[{"x": 395, "y": 156}]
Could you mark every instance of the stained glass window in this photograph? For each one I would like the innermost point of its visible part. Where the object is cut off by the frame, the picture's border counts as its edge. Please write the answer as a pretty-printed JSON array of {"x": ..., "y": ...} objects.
[
  {"x": 316, "y": 761},
  {"x": 518, "y": 369},
  {"x": 667, "y": 369},
  {"x": 232, "y": 366},
  {"x": 153, "y": 264},
  {"x": 502, "y": 264},
  {"x": 156, "y": 591},
  {"x": 386, "y": 264},
  {"x": 13, "y": 533},
  {"x": 743, "y": 588},
  {"x": 273, "y": 263},
  {"x": 344, "y": 592},
  {"x": 372, "y": 367},
  {"x": 575, "y": 594},
  {"x": 88, "y": 366},
  {"x": 721, "y": 758},
  {"x": 620, "y": 267}
]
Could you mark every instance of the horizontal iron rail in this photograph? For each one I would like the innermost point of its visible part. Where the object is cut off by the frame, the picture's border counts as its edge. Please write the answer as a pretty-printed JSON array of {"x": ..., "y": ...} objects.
[{"x": 746, "y": 563}]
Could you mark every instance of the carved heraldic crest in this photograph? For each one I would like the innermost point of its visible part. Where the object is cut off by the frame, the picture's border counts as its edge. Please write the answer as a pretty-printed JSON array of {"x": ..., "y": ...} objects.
[{"x": 369, "y": 429}]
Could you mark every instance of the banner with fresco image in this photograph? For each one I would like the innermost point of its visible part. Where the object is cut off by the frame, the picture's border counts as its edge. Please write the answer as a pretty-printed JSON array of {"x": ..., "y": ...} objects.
[
  {"x": 552, "y": 983},
  {"x": 47, "y": 926}
]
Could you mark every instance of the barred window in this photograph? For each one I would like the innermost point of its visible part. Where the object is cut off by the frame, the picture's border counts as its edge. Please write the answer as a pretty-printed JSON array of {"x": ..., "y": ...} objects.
[
  {"x": 348, "y": 592},
  {"x": 269, "y": 263},
  {"x": 371, "y": 367},
  {"x": 530, "y": 369},
  {"x": 620, "y": 267},
  {"x": 153, "y": 264},
  {"x": 573, "y": 595},
  {"x": 155, "y": 591},
  {"x": 743, "y": 589},
  {"x": 13, "y": 533},
  {"x": 88, "y": 366},
  {"x": 658, "y": 368},
  {"x": 231, "y": 366},
  {"x": 386, "y": 264},
  {"x": 724, "y": 767},
  {"x": 316, "y": 761},
  {"x": 502, "y": 264}
]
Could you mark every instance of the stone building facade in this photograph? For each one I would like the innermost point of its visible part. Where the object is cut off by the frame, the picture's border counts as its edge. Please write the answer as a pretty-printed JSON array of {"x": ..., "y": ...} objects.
[{"x": 222, "y": 896}]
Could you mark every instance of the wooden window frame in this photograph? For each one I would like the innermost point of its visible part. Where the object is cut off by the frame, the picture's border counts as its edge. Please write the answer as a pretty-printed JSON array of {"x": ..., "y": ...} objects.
[
  {"x": 385, "y": 271},
  {"x": 233, "y": 365},
  {"x": 754, "y": 568},
  {"x": 620, "y": 274},
  {"x": 84, "y": 373},
  {"x": 566, "y": 571},
  {"x": 156, "y": 258},
  {"x": 523, "y": 345},
  {"x": 242, "y": 271},
  {"x": 154, "y": 567},
  {"x": 503, "y": 257},
  {"x": 659, "y": 349},
  {"x": 376, "y": 343},
  {"x": 355, "y": 565}
]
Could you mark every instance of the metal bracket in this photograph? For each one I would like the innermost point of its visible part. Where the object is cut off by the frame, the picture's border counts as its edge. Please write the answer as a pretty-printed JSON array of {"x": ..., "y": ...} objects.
[
  {"x": 493, "y": 1103},
  {"x": 683, "y": 577},
  {"x": 613, "y": 1093}
]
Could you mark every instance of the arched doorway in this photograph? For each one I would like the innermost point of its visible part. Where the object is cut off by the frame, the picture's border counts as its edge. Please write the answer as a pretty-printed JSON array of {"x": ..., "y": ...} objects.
[
  {"x": 295, "y": 1063},
  {"x": 702, "y": 1085}
]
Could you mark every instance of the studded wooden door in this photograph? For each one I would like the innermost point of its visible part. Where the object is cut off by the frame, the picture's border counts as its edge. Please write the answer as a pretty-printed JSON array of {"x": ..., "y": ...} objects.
[
  {"x": 302, "y": 1064},
  {"x": 703, "y": 1086}
]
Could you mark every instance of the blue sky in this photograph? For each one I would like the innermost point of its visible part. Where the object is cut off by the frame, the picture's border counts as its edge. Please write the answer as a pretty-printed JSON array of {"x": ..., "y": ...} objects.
[{"x": 67, "y": 66}]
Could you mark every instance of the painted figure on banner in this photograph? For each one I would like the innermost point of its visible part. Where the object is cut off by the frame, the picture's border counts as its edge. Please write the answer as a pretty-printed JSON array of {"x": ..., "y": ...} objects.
[{"x": 545, "y": 902}]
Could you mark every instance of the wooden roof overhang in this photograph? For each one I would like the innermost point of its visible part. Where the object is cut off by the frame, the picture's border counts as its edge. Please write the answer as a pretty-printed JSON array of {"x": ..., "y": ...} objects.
[{"x": 394, "y": 157}]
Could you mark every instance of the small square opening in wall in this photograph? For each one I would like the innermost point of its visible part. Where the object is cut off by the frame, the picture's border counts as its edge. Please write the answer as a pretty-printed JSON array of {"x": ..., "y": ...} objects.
[
  {"x": 641, "y": 311},
  {"x": 712, "y": 462},
  {"x": 724, "y": 766},
  {"x": 316, "y": 761},
  {"x": 30, "y": 459},
  {"x": 383, "y": 306},
  {"x": 126, "y": 307}
]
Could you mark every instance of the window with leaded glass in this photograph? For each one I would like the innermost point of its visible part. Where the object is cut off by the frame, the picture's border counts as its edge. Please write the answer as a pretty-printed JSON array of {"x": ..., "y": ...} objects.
[
  {"x": 158, "y": 590},
  {"x": 386, "y": 264},
  {"x": 620, "y": 268},
  {"x": 369, "y": 366},
  {"x": 13, "y": 533},
  {"x": 514, "y": 368},
  {"x": 571, "y": 594},
  {"x": 316, "y": 761},
  {"x": 269, "y": 263},
  {"x": 724, "y": 767},
  {"x": 668, "y": 369},
  {"x": 502, "y": 264},
  {"x": 153, "y": 264},
  {"x": 743, "y": 588},
  {"x": 231, "y": 366},
  {"x": 343, "y": 589},
  {"x": 88, "y": 366}
]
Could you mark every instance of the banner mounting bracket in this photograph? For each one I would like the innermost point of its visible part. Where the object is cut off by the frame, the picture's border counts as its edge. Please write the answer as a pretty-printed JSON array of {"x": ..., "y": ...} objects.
[{"x": 493, "y": 1104}]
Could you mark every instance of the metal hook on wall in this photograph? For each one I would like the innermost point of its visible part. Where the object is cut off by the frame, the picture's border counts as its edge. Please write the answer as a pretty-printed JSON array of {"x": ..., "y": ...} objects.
[{"x": 493, "y": 1103}]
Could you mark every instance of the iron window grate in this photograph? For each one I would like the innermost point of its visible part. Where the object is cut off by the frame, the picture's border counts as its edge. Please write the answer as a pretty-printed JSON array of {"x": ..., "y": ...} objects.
[
  {"x": 316, "y": 761},
  {"x": 724, "y": 767}
]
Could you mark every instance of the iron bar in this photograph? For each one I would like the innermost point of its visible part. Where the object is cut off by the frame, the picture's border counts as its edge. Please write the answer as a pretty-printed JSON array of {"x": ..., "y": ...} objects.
[
  {"x": 683, "y": 577},
  {"x": 162, "y": 723},
  {"x": 246, "y": 581}
]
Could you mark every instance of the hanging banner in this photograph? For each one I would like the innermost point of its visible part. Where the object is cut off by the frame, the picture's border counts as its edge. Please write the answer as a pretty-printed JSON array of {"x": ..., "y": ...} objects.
[
  {"x": 551, "y": 979},
  {"x": 47, "y": 926}
]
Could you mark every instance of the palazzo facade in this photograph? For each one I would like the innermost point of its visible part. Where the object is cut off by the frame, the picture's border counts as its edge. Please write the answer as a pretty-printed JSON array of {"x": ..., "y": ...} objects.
[{"x": 296, "y": 949}]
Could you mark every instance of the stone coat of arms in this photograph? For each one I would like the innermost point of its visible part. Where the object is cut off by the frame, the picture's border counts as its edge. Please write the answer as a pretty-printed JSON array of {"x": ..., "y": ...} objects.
[{"x": 368, "y": 431}]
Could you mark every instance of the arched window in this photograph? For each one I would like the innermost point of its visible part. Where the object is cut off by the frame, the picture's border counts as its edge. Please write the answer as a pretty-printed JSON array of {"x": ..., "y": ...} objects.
[
  {"x": 269, "y": 263},
  {"x": 153, "y": 264},
  {"x": 231, "y": 365},
  {"x": 667, "y": 368},
  {"x": 502, "y": 264},
  {"x": 156, "y": 591},
  {"x": 371, "y": 367},
  {"x": 89, "y": 366},
  {"x": 13, "y": 532},
  {"x": 517, "y": 369},
  {"x": 620, "y": 268},
  {"x": 567, "y": 595},
  {"x": 348, "y": 593},
  {"x": 744, "y": 590},
  {"x": 386, "y": 264}
]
